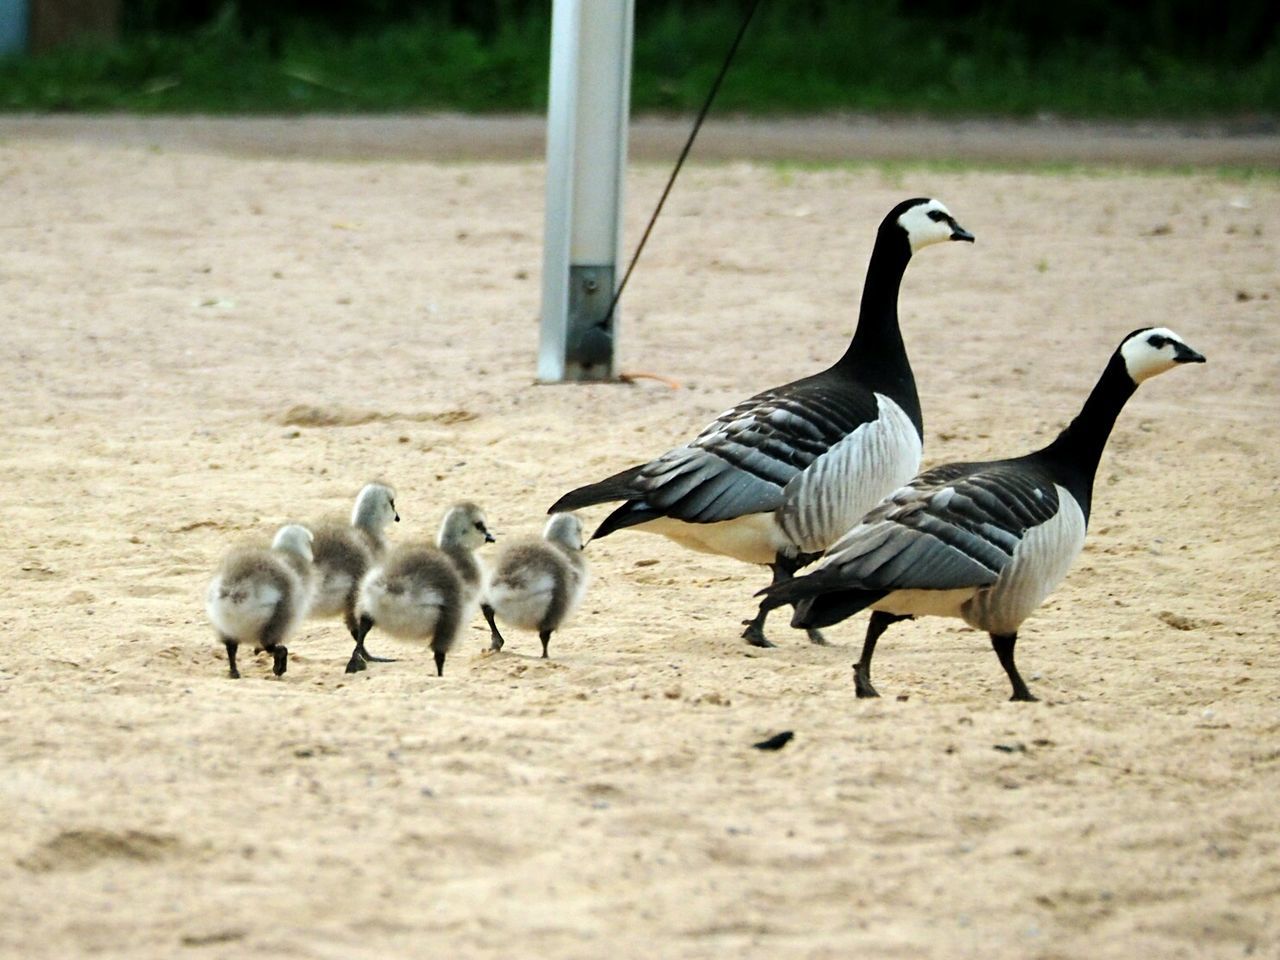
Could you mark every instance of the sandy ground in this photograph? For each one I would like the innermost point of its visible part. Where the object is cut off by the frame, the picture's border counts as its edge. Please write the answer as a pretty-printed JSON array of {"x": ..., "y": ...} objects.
[
  {"x": 1248, "y": 143},
  {"x": 196, "y": 347}
]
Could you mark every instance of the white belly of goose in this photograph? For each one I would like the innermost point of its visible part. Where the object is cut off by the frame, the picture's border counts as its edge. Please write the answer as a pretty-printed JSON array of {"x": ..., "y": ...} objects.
[
  {"x": 1039, "y": 564},
  {"x": 752, "y": 538},
  {"x": 838, "y": 488},
  {"x": 926, "y": 603}
]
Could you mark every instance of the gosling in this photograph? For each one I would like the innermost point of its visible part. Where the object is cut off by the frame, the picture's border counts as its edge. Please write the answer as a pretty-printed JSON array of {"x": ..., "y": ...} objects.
[
  {"x": 424, "y": 592},
  {"x": 538, "y": 583},
  {"x": 344, "y": 553},
  {"x": 260, "y": 596}
]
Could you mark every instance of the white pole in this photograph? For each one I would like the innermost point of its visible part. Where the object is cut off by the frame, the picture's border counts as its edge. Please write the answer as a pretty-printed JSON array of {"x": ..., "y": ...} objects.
[{"x": 588, "y": 110}]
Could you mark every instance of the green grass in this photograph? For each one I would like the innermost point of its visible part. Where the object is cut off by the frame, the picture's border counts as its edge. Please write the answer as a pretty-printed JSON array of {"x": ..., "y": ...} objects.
[{"x": 866, "y": 58}]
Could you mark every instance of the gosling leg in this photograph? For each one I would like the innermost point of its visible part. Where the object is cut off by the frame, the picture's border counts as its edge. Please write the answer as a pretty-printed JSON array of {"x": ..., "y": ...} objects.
[
  {"x": 496, "y": 642},
  {"x": 362, "y": 628},
  {"x": 280, "y": 659},
  {"x": 231, "y": 646},
  {"x": 358, "y": 634}
]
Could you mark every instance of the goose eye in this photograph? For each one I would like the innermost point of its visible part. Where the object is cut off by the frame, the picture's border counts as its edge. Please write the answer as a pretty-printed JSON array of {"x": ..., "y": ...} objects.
[
  {"x": 480, "y": 526},
  {"x": 938, "y": 216}
]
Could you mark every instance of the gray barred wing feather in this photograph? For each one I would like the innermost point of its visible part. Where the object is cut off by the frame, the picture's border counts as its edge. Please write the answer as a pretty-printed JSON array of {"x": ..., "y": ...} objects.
[
  {"x": 952, "y": 527},
  {"x": 742, "y": 462}
]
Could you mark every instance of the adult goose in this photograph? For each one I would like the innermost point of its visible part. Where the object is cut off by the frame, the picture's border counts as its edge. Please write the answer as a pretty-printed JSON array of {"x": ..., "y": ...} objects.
[
  {"x": 778, "y": 478},
  {"x": 984, "y": 542}
]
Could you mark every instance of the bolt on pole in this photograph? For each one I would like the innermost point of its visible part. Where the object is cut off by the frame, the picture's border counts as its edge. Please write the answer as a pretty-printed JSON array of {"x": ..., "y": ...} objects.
[{"x": 587, "y": 116}]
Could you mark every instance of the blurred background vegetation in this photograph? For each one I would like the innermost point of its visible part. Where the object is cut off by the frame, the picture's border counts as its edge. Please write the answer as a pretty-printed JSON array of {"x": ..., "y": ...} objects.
[{"x": 1090, "y": 58}]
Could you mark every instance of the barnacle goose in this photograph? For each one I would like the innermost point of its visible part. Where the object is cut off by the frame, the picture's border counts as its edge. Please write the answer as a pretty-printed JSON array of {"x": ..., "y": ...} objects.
[
  {"x": 260, "y": 596},
  {"x": 537, "y": 584},
  {"x": 779, "y": 477},
  {"x": 425, "y": 592},
  {"x": 984, "y": 542},
  {"x": 343, "y": 553}
]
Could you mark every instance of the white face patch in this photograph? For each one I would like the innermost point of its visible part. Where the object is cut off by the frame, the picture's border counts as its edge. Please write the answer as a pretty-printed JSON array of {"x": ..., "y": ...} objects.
[
  {"x": 295, "y": 538},
  {"x": 1151, "y": 352},
  {"x": 564, "y": 528},
  {"x": 375, "y": 507},
  {"x": 923, "y": 229},
  {"x": 463, "y": 526}
]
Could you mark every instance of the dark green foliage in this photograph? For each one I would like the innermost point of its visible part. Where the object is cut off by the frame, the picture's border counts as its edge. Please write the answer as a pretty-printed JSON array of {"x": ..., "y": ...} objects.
[{"x": 1175, "y": 58}]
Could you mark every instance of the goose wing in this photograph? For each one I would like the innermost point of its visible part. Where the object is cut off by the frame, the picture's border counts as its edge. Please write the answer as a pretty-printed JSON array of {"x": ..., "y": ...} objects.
[
  {"x": 952, "y": 527},
  {"x": 742, "y": 461}
]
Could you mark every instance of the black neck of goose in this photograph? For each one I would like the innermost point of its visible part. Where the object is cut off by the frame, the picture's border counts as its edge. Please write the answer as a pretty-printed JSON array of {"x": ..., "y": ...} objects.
[
  {"x": 1074, "y": 455},
  {"x": 876, "y": 355}
]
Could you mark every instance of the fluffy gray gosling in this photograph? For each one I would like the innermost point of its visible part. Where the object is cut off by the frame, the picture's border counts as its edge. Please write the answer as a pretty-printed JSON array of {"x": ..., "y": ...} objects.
[
  {"x": 425, "y": 592},
  {"x": 260, "y": 596},
  {"x": 538, "y": 583},
  {"x": 344, "y": 553}
]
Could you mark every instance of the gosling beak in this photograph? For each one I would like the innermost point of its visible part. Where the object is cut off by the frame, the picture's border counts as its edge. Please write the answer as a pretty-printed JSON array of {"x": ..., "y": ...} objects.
[
  {"x": 1184, "y": 354},
  {"x": 489, "y": 537}
]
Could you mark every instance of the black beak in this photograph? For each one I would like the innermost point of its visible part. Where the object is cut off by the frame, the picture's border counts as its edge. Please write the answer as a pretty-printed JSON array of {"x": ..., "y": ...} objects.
[
  {"x": 488, "y": 537},
  {"x": 1184, "y": 354},
  {"x": 960, "y": 233}
]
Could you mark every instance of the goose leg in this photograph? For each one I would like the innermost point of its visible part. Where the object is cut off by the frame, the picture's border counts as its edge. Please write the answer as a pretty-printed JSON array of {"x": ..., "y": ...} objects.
[
  {"x": 783, "y": 570},
  {"x": 794, "y": 564},
  {"x": 358, "y": 636},
  {"x": 231, "y": 646},
  {"x": 878, "y": 624},
  {"x": 545, "y": 637},
  {"x": 496, "y": 642},
  {"x": 439, "y": 663},
  {"x": 754, "y": 634},
  {"x": 1004, "y": 650}
]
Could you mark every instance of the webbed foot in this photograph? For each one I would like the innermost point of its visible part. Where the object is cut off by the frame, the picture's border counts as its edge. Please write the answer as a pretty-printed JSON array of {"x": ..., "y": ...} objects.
[{"x": 754, "y": 635}]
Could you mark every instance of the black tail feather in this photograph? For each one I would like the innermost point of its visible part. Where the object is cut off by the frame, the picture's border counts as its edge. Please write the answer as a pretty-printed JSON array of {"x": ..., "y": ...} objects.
[
  {"x": 617, "y": 487},
  {"x": 628, "y": 515},
  {"x": 820, "y": 599},
  {"x": 827, "y": 609}
]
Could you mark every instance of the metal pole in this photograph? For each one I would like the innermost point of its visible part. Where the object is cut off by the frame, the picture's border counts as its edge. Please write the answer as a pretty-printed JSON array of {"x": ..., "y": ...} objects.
[{"x": 587, "y": 117}]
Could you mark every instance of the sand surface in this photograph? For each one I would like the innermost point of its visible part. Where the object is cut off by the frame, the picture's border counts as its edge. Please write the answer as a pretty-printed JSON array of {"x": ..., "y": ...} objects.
[{"x": 196, "y": 347}]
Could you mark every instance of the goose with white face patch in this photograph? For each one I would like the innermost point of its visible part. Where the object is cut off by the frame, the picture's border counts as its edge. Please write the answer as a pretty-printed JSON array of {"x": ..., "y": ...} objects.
[
  {"x": 425, "y": 592},
  {"x": 779, "y": 477},
  {"x": 538, "y": 583},
  {"x": 260, "y": 596},
  {"x": 983, "y": 542},
  {"x": 344, "y": 553}
]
